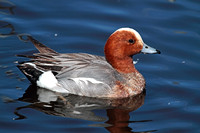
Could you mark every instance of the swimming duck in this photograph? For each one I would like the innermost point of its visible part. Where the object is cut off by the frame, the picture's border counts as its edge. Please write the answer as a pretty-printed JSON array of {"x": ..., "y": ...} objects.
[{"x": 112, "y": 76}]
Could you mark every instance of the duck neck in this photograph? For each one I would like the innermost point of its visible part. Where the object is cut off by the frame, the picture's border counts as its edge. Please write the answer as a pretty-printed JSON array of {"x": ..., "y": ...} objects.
[{"x": 123, "y": 65}]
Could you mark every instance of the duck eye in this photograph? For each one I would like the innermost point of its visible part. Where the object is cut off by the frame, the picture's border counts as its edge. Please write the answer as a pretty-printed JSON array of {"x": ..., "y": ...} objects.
[{"x": 131, "y": 41}]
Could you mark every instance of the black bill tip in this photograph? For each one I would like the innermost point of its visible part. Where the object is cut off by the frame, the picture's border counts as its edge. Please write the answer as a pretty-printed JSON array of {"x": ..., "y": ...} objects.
[{"x": 158, "y": 52}]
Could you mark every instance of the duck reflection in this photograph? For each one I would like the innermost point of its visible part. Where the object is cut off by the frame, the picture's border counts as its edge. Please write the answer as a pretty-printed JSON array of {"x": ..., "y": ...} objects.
[
  {"x": 6, "y": 29},
  {"x": 79, "y": 107},
  {"x": 6, "y": 7}
]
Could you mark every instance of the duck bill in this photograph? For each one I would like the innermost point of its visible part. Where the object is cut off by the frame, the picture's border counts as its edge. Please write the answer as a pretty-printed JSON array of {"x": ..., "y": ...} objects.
[{"x": 149, "y": 50}]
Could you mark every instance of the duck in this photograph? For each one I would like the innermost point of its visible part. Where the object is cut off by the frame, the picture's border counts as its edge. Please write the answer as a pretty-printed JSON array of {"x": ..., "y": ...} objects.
[{"x": 83, "y": 74}]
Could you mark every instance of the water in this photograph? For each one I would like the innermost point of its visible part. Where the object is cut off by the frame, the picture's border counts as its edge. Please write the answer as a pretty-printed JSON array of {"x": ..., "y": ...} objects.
[{"x": 171, "y": 103}]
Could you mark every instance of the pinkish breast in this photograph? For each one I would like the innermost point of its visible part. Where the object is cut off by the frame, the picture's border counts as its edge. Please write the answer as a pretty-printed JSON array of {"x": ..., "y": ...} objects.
[{"x": 132, "y": 84}]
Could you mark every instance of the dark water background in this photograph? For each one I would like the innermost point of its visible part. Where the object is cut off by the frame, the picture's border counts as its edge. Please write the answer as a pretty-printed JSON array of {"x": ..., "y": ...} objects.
[{"x": 172, "y": 98}]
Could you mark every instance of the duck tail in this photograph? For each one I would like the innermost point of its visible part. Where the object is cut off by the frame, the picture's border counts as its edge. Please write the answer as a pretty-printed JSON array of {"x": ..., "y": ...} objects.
[
  {"x": 34, "y": 68},
  {"x": 41, "y": 47},
  {"x": 30, "y": 71}
]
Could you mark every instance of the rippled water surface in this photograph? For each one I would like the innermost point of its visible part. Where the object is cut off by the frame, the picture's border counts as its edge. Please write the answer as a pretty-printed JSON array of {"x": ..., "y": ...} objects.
[{"x": 171, "y": 102}]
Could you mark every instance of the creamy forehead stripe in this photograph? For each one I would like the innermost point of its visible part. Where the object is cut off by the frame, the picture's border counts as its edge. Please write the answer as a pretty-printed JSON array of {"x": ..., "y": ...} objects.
[{"x": 131, "y": 30}]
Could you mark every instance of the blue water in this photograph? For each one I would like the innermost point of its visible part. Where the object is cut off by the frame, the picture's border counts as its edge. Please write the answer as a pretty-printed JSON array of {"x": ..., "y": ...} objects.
[{"x": 171, "y": 102}]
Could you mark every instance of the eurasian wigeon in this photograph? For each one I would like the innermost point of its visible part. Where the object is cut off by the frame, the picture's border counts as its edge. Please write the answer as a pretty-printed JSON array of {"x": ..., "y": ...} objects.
[{"x": 112, "y": 76}]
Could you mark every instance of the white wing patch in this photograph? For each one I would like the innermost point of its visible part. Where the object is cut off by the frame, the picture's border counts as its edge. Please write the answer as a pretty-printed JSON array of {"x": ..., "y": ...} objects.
[
  {"x": 86, "y": 105},
  {"x": 47, "y": 80},
  {"x": 79, "y": 81},
  {"x": 31, "y": 64}
]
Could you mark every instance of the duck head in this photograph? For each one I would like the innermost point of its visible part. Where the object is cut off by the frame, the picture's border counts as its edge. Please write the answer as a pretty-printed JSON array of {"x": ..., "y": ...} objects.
[{"x": 122, "y": 45}]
